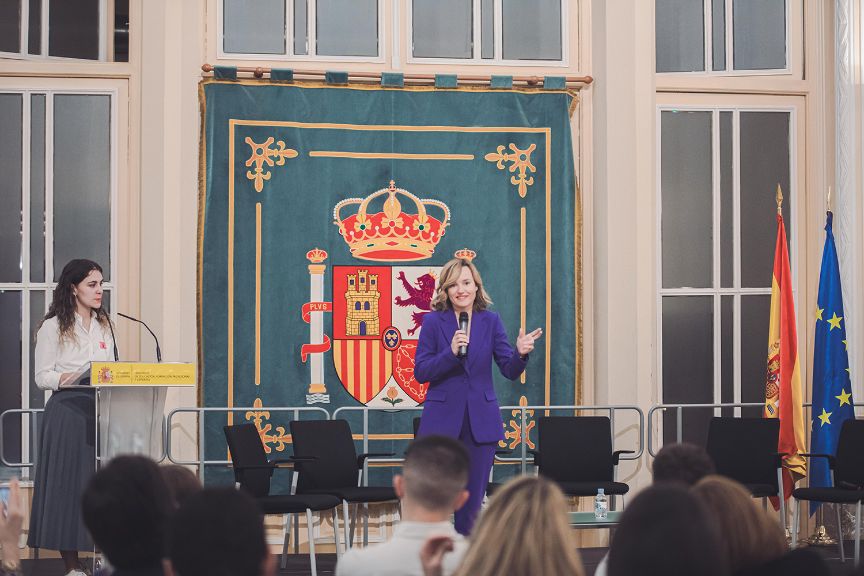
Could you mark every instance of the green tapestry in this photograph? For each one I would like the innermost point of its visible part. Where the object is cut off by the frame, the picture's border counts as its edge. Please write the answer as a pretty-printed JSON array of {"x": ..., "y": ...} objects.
[{"x": 326, "y": 213}]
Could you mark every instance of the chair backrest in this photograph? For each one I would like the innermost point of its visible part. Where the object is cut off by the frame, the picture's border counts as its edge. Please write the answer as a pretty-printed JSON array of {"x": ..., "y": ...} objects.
[
  {"x": 416, "y": 424},
  {"x": 850, "y": 455},
  {"x": 331, "y": 444},
  {"x": 576, "y": 448},
  {"x": 745, "y": 449},
  {"x": 246, "y": 448}
]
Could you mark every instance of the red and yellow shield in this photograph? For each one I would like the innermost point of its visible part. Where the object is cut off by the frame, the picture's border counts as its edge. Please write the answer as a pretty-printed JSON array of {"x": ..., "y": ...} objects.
[{"x": 377, "y": 317}]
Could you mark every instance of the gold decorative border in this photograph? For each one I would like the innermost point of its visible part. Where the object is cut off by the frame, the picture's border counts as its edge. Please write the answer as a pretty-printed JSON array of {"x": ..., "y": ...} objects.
[{"x": 202, "y": 191}]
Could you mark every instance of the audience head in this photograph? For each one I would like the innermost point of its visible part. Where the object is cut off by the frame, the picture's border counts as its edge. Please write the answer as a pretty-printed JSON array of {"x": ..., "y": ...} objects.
[
  {"x": 537, "y": 508},
  {"x": 181, "y": 482},
  {"x": 666, "y": 531},
  {"x": 434, "y": 474},
  {"x": 219, "y": 532},
  {"x": 125, "y": 507},
  {"x": 683, "y": 463},
  {"x": 749, "y": 536}
]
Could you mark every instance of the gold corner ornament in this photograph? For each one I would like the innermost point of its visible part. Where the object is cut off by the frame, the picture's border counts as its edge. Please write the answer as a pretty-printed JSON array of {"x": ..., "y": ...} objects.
[
  {"x": 264, "y": 154},
  {"x": 520, "y": 160},
  {"x": 513, "y": 437},
  {"x": 279, "y": 440}
]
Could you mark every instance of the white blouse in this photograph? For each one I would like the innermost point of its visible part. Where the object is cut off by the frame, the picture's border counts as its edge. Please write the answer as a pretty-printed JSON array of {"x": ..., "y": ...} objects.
[{"x": 54, "y": 358}]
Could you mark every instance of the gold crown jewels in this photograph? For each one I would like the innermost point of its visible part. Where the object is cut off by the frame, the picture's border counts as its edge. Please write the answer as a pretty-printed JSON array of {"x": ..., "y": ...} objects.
[
  {"x": 391, "y": 234},
  {"x": 465, "y": 254}
]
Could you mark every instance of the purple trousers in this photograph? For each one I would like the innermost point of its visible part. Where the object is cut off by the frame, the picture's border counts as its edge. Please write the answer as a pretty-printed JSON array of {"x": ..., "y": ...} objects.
[{"x": 481, "y": 456}]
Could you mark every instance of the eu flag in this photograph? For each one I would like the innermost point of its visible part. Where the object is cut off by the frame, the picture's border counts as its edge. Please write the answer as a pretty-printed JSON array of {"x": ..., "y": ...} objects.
[{"x": 832, "y": 386}]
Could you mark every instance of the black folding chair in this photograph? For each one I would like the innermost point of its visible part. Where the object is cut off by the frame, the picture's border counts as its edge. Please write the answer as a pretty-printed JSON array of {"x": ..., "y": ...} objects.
[
  {"x": 253, "y": 471},
  {"x": 847, "y": 479},
  {"x": 335, "y": 468},
  {"x": 745, "y": 449},
  {"x": 576, "y": 452}
]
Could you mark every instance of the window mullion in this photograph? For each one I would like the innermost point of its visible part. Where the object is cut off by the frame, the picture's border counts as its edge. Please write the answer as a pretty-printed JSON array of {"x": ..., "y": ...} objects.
[
  {"x": 49, "y": 187},
  {"x": 736, "y": 248},
  {"x": 498, "y": 16},
  {"x": 730, "y": 46},
  {"x": 716, "y": 252},
  {"x": 289, "y": 28},
  {"x": 24, "y": 37},
  {"x": 311, "y": 28},
  {"x": 46, "y": 6},
  {"x": 708, "y": 35}
]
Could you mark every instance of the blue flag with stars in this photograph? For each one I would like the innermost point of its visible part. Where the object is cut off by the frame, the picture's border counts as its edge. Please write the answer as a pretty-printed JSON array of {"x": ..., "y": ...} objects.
[{"x": 832, "y": 385}]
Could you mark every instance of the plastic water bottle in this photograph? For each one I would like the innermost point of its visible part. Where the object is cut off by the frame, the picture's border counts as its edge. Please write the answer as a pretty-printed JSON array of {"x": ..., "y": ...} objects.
[{"x": 601, "y": 505}]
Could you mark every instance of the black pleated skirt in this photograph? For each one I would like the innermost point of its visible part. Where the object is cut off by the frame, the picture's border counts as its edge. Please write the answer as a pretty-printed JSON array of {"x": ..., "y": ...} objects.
[{"x": 64, "y": 464}]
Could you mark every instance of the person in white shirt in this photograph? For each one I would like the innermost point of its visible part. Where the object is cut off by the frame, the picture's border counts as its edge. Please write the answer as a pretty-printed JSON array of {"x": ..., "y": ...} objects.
[
  {"x": 431, "y": 488},
  {"x": 76, "y": 331}
]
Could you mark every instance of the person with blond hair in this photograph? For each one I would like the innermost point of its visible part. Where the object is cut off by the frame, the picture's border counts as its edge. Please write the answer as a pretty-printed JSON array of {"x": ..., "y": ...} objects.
[
  {"x": 538, "y": 508},
  {"x": 458, "y": 342},
  {"x": 749, "y": 536}
]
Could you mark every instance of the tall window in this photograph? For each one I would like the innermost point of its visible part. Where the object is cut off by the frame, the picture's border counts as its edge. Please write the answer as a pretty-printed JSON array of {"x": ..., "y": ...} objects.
[
  {"x": 58, "y": 194},
  {"x": 301, "y": 29},
  {"x": 79, "y": 29},
  {"x": 722, "y": 36},
  {"x": 718, "y": 172},
  {"x": 488, "y": 31}
]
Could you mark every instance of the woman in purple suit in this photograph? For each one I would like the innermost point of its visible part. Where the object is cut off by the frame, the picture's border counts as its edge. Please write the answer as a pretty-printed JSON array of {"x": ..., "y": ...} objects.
[{"x": 461, "y": 401}]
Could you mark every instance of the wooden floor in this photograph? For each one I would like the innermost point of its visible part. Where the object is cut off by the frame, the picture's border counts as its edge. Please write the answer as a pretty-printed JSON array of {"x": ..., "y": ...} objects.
[{"x": 299, "y": 564}]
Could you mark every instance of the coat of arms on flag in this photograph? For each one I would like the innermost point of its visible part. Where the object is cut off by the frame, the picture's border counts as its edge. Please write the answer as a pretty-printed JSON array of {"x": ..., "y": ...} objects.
[
  {"x": 377, "y": 317},
  {"x": 378, "y": 309}
]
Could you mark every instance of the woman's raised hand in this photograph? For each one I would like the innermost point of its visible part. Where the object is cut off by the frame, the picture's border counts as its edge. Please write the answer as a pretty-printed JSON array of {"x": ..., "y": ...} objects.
[{"x": 525, "y": 342}]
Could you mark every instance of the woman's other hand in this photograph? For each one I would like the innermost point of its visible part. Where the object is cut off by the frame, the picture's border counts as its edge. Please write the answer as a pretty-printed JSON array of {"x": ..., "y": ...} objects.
[
  {"x": 460, "y": 338},
  {"x": 525, "y": 342}
]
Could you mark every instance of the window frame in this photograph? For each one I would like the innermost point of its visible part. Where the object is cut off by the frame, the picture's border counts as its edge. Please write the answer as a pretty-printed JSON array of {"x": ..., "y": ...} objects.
[
  {"x": 117, "y": 91},
  {"x": 311, "y": 31},
  {"x": 498, "y": 47},
  {"x": 796, "y": 107},
  {"x": 794, "y": 45},
  {"x": 106, "y": 10}
]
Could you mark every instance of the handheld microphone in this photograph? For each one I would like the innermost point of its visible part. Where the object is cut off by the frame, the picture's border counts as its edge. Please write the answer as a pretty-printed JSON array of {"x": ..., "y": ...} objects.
[
  {"x": 463, "y": 325},
  {"x": 158, "y": 350}
]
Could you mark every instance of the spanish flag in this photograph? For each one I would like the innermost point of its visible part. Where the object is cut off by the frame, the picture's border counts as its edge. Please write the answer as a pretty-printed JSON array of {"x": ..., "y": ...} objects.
[{"x": 783, "y": 387}]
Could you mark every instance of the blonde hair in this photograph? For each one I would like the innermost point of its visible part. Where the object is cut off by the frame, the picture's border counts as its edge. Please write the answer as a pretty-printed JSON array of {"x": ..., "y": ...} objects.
[
  {"x": 537, "y": 507},
  {"x": 449, "y": 276},
  {"x": 749, "y": 536}
]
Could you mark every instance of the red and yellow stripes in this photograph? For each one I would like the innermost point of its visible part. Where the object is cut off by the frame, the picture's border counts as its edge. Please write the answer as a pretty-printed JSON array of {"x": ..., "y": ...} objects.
[
  {"x": 783, "y": 397},
  {"x": 363, "y": 366}
]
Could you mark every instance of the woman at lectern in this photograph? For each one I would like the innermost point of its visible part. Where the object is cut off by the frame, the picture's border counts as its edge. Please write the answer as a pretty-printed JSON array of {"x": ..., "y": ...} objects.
[
  {"x": 458, "y": 342},
  {"x": 76, "y": 331}
]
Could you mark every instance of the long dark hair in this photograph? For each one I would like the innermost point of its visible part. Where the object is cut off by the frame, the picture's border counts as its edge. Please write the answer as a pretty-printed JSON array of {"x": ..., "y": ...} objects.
[{"x": 64, "y": 304}]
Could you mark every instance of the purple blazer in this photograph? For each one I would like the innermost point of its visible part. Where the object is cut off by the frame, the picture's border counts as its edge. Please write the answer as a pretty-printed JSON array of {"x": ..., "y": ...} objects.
[{"x": 455, "y": 383}]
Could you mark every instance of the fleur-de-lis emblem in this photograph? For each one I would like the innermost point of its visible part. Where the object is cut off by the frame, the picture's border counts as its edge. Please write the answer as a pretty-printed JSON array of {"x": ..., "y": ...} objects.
[
  {"x": 520, "y": 160},
  {"x": 264, "y": 154},
  {"x": 279, "y": 438}
]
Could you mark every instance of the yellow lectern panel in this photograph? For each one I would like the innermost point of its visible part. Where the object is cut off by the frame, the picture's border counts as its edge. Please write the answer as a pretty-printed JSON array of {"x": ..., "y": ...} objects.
[{"x": 142, "y": 374}]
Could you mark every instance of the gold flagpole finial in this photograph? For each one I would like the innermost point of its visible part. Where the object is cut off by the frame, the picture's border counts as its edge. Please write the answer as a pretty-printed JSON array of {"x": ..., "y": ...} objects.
[
  {"x": 828, "y": 201},
  {"x": 779, "y": 200}
]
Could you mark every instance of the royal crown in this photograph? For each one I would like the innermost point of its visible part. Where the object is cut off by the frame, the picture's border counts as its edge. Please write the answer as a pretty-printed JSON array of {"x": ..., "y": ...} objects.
[
  {"x": 391, "y": 234},
  {"x": 316, "y": 255},
  {"x": 465, "y": 254}
]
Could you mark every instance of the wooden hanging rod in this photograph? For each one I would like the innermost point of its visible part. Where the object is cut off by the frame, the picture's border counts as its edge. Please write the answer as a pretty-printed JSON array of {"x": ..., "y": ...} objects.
[{"x": 259, "y": 72}]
